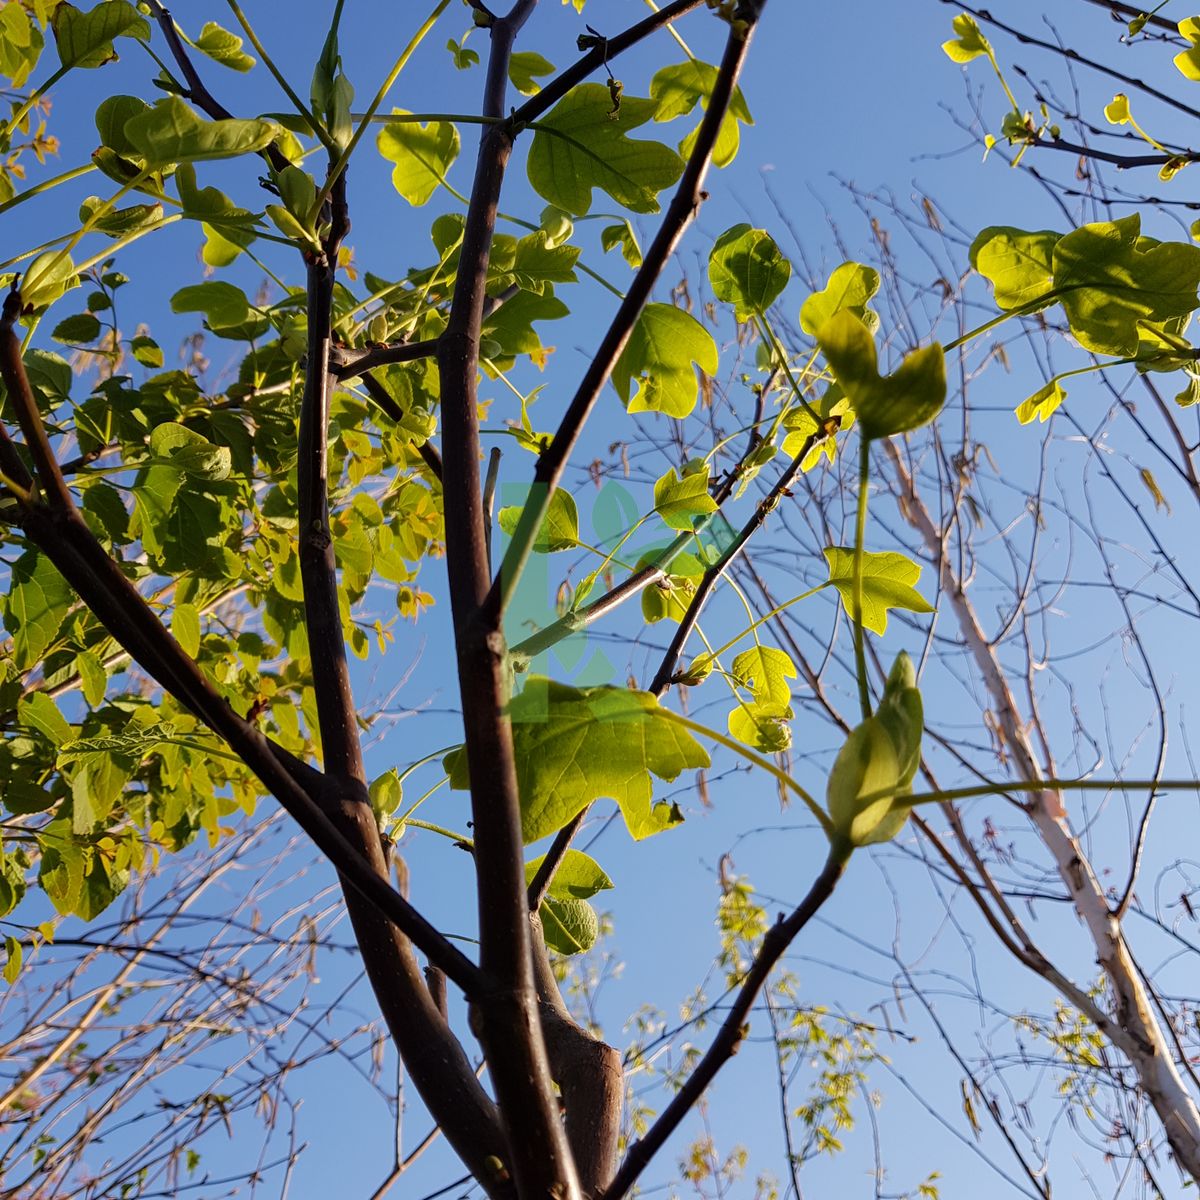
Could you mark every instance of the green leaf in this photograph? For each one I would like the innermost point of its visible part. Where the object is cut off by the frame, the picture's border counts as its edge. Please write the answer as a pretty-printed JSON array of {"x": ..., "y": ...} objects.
[
  {"x": 12, "y": 962},
  {"x": 569, "y": 926},
  {"x": 579, "y": 146},
  {"x": 664, "y": 344},
  {"x": 622, "y": 235},
  {"x": 1188, "y": 63},
  {"x": 85, "y": 39},
  {"x": 77, "y": 330},
  {"x": 171, "y": 132},
  {"x": 575, "y": 746},
  {"x": 560, "y": 525},
  {"x": 678, "y": 87},
  {"x": 112, "y": 116},
  {"x": 524, "y": 67},
  {"x": 683, "y": 502},
  {"x": 36, "y": 710},
  {"x": 422, "y": 154},
  {"x": 1111, "y": 279},
  {"x": 969, "y": 43},
  {"x": 880, "y": 755},
  {"x": 887, "y": 582},
  {"x": 226, "y": 310},
  {"x": 578, "y": 877},
  {"x": 464, "y": 57},
  {"x": 223, "y": 47},
  {"x": 190, "y": 452},
  {"x": 850, "y": 288},
  {"x": 146, "y": 351},
  {"x": 185, "y": 625},
  {"x": 747, "y": 269},
  {"x": 765, "y": 671},
  {"x": 884, "y": 405},
  {"x": 46, "y": 278},
  {"x": 21, "y": 45},
  {"x": 93, "y": 677},
  {"x": 39, "y": 600},
  {"x": 765, "y": 727},
  {"x": 387, "y": 794},
  {"x": 1042, "y": 404},
  {"x": 1019, "y": 265}
]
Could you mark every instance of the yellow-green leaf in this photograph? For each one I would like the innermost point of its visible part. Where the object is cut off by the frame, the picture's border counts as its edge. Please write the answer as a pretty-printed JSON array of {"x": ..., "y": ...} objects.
[{"x": 887, "y": 582}]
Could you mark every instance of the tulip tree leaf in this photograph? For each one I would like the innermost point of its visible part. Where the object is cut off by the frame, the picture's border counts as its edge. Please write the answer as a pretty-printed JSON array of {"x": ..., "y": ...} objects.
[
  {"x": 658, "y": 357},
  {"x": 683, "y": 502},
  {"x": 38, "y": 602},
  {"x": 422, "y": 155},
  {"x": 747, "y": 269},
  {"x": 850, "y": 287},
  {"x": 574, "y": 746},
  {"x": 85, "y": 39},
  {"x": 1042, "y": 404},
  {"x": 883, "y": 404},
  {"x": 1111, "y": 279},
  {"x": 678, "y": 87},
  {"x": 887, "y": 582},
  {"x": 880, "y": 756},
  {"x": 765, "y": 671},
  {"x": 569, "y": 926},
  {"x": 524, "y": 68},
  {"x": 579, "y": 876},
  {"x": 969, "y": 43},
  {"x": 581, "y": 145},
  {"x": 1019, "y": 265},
  {"x": 560, "y": 525},
  {"x": 171, "y": 132},
  {"x": 223, "y": 47}
]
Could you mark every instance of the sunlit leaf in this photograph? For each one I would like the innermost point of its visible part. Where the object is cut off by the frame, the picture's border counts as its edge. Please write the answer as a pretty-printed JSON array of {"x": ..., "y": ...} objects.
[
  {"x": 887, "y": 583},
  {"x": 747, "y": 269},
  {"x": 579, "y": 147},
  {"x": 575, "y": 746},
  {"x": 659, "y": 358}
]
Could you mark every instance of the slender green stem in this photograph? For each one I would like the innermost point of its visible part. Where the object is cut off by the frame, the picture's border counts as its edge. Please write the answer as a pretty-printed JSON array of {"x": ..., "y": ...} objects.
[
  {"x": 30, "y": 100},
  {"x": 457, "y": 838},
  {"x": 758, "y": 760},
  {"x": 46, "y": 185},
  {"x": 733, "y": 641},
  {"x": 999, "y": 787},
  {"x": 860, "y": 530},
  {"x": 318, "y": 129},
  {"x": 344, "y": 157}
]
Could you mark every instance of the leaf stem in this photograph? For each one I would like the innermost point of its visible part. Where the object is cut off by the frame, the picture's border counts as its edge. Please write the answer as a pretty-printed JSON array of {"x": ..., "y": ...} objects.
[
  {"x": 339, "y": 164},
  {"x": 319, "y": 131},
  {"x": 752, "y": 756},
  {"x": 860, "y": 530}
]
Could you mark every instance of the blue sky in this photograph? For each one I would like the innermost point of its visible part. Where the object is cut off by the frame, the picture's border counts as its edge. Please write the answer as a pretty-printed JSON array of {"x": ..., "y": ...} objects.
[{"x": 842, "y": 95}]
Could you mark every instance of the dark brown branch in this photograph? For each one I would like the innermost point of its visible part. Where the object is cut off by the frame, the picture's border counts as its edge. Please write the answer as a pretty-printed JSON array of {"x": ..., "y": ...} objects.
[
  {"x": 589, "y": 1074},
  {"x": 340, "y": 745},
  {"x": 507, "y": 1015},
  {"x": 432, "y": 1054},
  {"x": 689, "y": 194},
  {"x": 733, "y": 1029},
  {"x": 666, "y": 669},
  {"x": 354, "y": 362},
  {"x": 199, "y": 95},
  {"x": 597, "y": 57},
  {"x": 1129, "y": 11},
  {"x": 1066, "y": 52},
  {"x": 387, "y": 404},
  {"x": 552, "y": 859}
]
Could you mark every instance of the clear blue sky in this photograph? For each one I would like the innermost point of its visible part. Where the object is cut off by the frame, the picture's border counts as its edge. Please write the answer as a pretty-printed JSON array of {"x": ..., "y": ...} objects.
[{"x": 841, "y": 93}]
